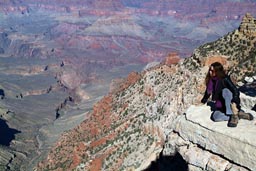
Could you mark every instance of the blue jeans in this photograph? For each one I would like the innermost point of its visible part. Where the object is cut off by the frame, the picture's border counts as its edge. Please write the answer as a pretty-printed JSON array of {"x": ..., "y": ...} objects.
[{"x": 220, "y": 116}]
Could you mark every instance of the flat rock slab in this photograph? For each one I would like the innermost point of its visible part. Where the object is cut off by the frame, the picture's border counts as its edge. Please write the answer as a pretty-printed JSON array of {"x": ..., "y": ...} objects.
[{"x": 235, "y": 144}]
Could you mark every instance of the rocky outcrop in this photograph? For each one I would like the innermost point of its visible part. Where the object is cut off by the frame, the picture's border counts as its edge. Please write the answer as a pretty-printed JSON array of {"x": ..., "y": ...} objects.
[
  {"x": 214, "y": 142},
  {"x": 238, "y": 47},
  {"x": 130, "y": 127},
  {"x": 124, "y": 116},
  {"x": 144, "y": 117},
  {"x": 248, "y": 25},
  {"x": 5, "y": 158},
  {"x": 172, "y": 58},
  {"x": 119, "y": 85}
]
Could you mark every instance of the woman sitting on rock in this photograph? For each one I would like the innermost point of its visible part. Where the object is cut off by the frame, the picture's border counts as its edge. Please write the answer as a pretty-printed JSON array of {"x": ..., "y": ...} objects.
[{"x": 225, "y": 95}]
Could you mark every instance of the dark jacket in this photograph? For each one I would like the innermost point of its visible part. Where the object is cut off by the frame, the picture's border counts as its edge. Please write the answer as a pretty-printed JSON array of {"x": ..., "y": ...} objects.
[{"x": 217, "y": 92}]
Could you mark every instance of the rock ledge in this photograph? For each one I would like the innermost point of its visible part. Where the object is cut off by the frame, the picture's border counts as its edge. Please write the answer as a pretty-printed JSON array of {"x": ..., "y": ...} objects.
[{"x": 237, "y": 145}]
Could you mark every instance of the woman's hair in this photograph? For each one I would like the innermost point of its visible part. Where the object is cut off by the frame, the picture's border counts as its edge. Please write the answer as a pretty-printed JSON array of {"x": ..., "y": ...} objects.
[{"x": 219, "y": 71}]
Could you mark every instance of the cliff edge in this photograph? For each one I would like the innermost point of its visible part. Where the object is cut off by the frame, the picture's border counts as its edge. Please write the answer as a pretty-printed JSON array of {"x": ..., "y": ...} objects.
[
  {"x": 212, "y": 145},
  {"x": 144, "y": 116}
]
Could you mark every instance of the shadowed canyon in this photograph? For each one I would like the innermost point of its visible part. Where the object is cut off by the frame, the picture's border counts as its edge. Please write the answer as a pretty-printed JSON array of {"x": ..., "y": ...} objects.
[{"x": 58, "y": 58}]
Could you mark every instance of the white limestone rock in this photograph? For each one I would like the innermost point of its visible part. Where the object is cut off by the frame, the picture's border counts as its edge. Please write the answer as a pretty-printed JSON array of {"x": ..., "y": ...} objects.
[
  {"x": 194, "y": 168},
  {"x": 237, "y": 168},
  {"x": 248, "y": 79},
  {"x": 216, "y": 163},
  {"x": 236, "y": 144},
  {"x": 247, "y": 102},
  {"x": 240, "y": 84},
  {"x": 151, "y": 65},
  {"x": 195, "y": 156}
]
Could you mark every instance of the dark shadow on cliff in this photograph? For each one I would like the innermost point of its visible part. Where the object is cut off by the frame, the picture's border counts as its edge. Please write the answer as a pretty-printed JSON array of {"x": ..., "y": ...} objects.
[
  {"x": 168, "y": 163},
  {"x": 254, "y": 108},
  {"x": 2, "y": 94},
  {"x": 6, "y": 133},
  {"x": 249, "y": 90}
]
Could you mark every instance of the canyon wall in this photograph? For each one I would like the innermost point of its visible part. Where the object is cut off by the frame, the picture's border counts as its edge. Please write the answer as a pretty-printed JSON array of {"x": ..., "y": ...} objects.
[
  {"x": 159, "y": 110},
  {"x": 59, "y": 57}
]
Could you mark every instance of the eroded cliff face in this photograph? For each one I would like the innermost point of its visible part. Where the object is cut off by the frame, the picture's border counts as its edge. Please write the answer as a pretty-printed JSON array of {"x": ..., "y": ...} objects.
[
  {"x": 98, "y": 41},
  {"x": 149, "y": 113},
  {"x": 213, "y": 146}
]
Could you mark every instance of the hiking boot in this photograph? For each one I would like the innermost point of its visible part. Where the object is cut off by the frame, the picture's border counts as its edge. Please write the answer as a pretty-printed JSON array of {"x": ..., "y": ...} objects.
[
  {"x": 243, "y": 115},
  {"x": 233, "y": 121}
]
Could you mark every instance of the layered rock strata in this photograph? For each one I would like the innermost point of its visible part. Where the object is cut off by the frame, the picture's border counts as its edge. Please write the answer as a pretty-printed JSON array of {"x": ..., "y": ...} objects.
[
  {"x": 214, "y": 146},
  {"x": 130, "y": 126}
]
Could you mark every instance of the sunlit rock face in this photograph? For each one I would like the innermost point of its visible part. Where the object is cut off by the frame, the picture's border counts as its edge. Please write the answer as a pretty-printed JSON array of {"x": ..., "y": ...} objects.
[
  {"x": 58, "y": 58},
  {"x": 158, "y": 112},
  {"x": 238, "y": 145}
]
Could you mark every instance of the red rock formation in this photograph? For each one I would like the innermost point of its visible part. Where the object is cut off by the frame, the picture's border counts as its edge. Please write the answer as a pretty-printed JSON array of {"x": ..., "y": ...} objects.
[
  {"x": 148, "y": 91},
  {"x": 93, "y": 129},
  {"x": 172, "y": 58},
  {"x": 107, "y": 128},
  {"x": 121, "y": 84},
  {"x": 207, "y": 10},
  {"x": 81, "y": 143},
  {"x": 211, "y": 59}
]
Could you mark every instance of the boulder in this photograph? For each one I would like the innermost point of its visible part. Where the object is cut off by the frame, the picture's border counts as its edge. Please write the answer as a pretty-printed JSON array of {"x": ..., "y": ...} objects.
[{"x": 237, "y": 145}]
